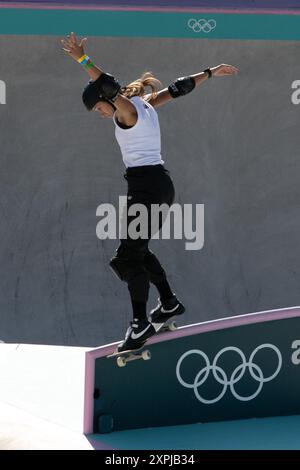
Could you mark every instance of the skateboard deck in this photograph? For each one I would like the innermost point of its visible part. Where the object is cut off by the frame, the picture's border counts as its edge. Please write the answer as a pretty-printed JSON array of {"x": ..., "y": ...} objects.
[
  {"x": 170, "y": 325},
  {"x": 141, "y": 353}
]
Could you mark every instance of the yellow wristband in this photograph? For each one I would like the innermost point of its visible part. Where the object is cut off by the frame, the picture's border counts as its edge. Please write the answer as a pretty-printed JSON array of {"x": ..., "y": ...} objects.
[{"x": 81, "y": 58}]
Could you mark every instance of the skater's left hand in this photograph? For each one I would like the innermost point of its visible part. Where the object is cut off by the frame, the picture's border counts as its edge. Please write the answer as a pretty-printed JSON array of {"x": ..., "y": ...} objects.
[
  {"x": 73, "y": 47},
  {"x": 224, "y": 69}
]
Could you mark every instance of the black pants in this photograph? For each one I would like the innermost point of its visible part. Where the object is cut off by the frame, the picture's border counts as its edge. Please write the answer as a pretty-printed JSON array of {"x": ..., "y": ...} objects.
[{"x": 134, "y": 263}]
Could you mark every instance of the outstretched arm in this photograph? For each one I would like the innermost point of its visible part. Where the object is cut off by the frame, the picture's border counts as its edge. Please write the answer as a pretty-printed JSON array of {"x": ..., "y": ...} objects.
[
  {"x": 75, "y": 49},
  {"x": 164, "y": 96}
]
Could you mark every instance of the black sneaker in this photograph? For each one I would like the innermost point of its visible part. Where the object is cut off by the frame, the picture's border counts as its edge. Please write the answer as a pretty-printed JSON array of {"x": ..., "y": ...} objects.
[
  {"x": 136, "y": 335},
  {"x": 164, "y": 311}
]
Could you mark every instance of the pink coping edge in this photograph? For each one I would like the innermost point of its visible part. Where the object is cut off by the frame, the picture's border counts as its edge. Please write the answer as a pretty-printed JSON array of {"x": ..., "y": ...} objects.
[
  {"x": 98, "y": 445},
  {"x": 254, "y": 11},
  {"x": 190, "y": 330}
]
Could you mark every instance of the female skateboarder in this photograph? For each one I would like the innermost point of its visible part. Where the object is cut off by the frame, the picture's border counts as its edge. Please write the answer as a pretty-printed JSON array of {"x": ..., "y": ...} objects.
[{"x": 138, "y": 134}]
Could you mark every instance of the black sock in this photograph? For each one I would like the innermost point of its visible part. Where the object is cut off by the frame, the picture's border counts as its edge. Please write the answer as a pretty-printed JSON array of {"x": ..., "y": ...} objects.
[
  {"x": 139, "y": 310},
  {"x": 164, "y": 290}
]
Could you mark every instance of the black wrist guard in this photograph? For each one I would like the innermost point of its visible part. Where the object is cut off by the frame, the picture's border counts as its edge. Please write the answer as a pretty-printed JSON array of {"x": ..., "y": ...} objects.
[
  {"x": 209, "y": 72},
  {"x": 182, "y": 86},
  {"x": 105, "y": 88}
]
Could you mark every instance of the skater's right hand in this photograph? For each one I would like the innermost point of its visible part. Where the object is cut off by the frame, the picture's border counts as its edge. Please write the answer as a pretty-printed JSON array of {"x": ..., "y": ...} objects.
[
  {"x": 224, "y": 69},
  {"x": 73, "y": 47}
]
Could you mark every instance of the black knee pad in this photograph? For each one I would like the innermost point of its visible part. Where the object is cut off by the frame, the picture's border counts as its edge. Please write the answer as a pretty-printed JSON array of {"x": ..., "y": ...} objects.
[
  {"x": 133, "y": 273},
  {"x": 125, "y": 268},
  {"x": 119, "y": 267}
]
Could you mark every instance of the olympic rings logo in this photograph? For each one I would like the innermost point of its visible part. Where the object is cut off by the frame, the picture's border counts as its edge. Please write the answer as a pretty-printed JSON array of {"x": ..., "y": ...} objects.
[
  {"x": 222, "y": 378},
  {"x": 206, "y": 26}
]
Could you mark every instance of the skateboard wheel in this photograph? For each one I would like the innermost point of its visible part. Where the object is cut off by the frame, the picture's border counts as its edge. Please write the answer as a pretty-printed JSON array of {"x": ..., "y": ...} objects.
[
  {"x": 121, "y": 362},
  {"x": 146, "y": 355},
  {"x": 173, "y": 326}
]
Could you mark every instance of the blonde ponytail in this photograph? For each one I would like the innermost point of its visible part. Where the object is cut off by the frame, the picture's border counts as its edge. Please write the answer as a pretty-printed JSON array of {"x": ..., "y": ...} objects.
[{"x": 137, "y": 88}]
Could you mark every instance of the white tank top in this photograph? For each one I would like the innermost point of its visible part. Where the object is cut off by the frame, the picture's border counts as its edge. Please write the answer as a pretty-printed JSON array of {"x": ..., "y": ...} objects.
[{"x": 141, "y": 144}]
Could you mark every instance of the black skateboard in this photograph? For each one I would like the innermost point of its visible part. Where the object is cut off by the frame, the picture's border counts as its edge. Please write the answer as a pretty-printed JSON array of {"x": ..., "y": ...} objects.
[
  {"x": 141, "y": 353},
  {"x": 169, "y": 325}
]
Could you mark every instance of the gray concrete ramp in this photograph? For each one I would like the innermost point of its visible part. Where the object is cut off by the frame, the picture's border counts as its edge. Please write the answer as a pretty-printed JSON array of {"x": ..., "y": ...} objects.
[{"x": 232, "y": 145}]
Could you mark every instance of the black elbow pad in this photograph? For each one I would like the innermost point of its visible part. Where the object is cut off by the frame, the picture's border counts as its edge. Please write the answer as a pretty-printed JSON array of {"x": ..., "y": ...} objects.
[
  {"x": 106, "y": 88},
  {"x": 182, "y": 86}
]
